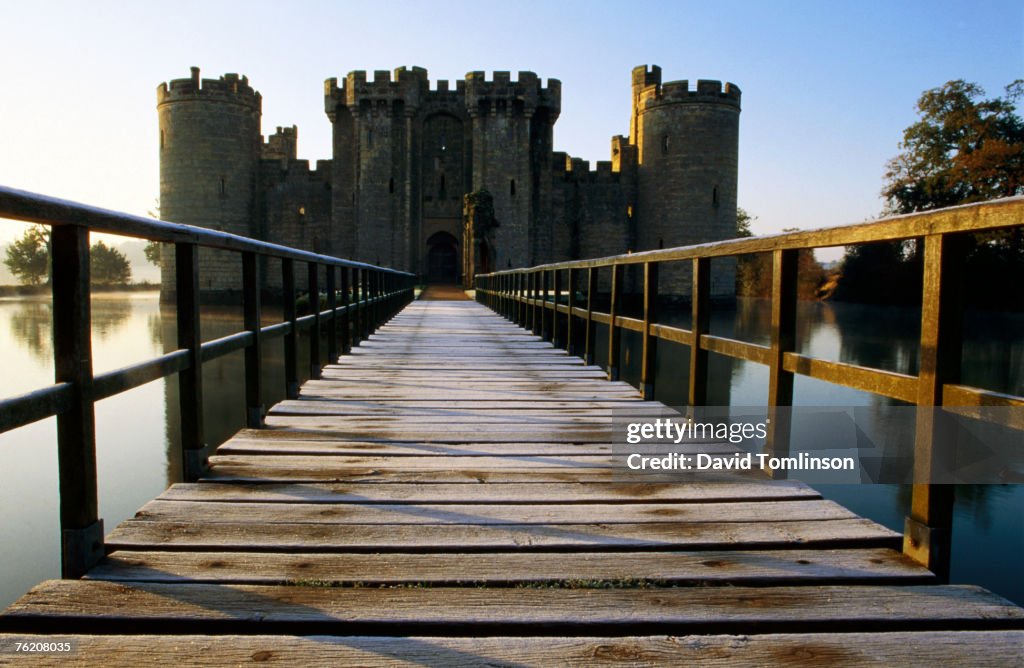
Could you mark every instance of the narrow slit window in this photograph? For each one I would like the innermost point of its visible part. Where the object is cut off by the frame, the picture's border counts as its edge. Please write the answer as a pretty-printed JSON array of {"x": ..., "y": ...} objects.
[
  {"x": 664, "y": 145},
  {"x": 512, "y": 187},
  {"x": 391, "y": 185},
  {"x": 223, "y": 187},
  {"x": 714, "y": 196}
]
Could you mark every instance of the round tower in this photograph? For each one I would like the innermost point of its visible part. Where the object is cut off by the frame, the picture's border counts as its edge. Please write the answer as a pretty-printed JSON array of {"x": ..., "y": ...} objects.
[
  {"x": 210, "y": 146},
  {"x": 688, "y": 144}
]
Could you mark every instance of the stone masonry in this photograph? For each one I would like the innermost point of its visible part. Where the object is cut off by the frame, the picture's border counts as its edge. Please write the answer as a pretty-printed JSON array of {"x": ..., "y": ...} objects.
[{"x": 405, "y": 153}]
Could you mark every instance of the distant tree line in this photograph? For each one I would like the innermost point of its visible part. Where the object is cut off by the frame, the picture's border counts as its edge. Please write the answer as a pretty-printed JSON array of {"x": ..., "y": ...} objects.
[{"x": 28, "y": 258}]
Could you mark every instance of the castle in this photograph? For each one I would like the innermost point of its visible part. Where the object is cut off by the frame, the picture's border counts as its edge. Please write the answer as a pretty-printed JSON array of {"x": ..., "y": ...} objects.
[{"x": 406, "y": 154}]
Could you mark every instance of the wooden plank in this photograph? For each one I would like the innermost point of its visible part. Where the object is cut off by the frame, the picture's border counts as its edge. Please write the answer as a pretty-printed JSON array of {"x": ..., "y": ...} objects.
[
  {"x": 81, "y": 605},
  {"x": 491, "y": 513},
  {"x": 397, "y": 448},
  {"x": 519, "y": 493},
  {"x": 443, "y": 538},
  {"x": 967, "y": 648},
  {"x": 288, "y": 469},
  {"x": 761, "y": 567}
]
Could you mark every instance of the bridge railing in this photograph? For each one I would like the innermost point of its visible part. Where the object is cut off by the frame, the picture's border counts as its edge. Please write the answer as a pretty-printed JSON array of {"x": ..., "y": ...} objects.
[
  {"x": 533, "y": 298},
  {"x": 359, "y": 297}
]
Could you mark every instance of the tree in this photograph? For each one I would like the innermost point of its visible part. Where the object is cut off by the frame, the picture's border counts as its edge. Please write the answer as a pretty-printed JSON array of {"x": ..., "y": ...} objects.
[
  {"x": 28, "y": 258},
  {"x": 963, "y": 149},
  {"x": 153, "y": 248},
  {"x": 109, "y": 266},
  {"x": 153, "y": 255},
  {"x": 754, "y": 270}
]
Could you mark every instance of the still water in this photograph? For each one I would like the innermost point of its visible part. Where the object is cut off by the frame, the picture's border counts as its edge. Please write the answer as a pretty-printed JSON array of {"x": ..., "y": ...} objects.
[{"x": 137, "y": 435}]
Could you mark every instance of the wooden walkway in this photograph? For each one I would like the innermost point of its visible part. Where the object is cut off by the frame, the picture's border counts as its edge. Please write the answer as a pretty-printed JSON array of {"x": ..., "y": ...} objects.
[{"x": 443, "y": 496}]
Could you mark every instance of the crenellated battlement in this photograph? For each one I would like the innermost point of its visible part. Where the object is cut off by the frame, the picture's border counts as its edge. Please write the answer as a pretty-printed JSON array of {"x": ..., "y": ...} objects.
[
  {"x": 228, "y": 88},
  {"x": 680, "y": 92},
  {"x": 526, "y": 90},
  {"x": 282, "y": 145},
  {"x": 646, "y": 75},
  {"x": 568, "y": 168},
  {"x": 409, "y": 85}
]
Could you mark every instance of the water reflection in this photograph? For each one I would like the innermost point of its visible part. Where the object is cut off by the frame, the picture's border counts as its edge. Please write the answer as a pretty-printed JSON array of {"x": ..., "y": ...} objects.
[{"x": 32, "y": 327}]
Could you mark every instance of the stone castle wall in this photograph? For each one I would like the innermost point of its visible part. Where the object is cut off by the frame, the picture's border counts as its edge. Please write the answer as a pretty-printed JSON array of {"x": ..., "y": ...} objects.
[{"x": 404, "y": 154}]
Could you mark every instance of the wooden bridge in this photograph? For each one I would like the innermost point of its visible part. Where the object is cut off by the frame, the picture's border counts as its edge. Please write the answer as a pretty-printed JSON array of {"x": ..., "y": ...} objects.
[{"x": 443, "y": 492}]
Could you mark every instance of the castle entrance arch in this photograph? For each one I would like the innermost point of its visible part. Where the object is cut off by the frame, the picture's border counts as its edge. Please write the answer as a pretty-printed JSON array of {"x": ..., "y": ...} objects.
[{"x": 442, "y": 258}]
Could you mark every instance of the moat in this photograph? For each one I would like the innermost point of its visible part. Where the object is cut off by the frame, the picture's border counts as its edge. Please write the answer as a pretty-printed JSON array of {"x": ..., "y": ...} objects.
[{"x": 137, "y": 437}]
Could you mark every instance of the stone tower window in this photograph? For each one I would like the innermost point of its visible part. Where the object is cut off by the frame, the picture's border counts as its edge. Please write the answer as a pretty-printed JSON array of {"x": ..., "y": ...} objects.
[
  {"x": 162, "y": 139},
  {"x": 714, "y": 196},
  {"x": 442, "y": 190},
  {"x": 512, "y": 187},
  {"x": 664, "y": 145},
  {"x": 369, "y": 137},
  {"x": 223, "y": 187},
  {"x": 391, "y": 185}
]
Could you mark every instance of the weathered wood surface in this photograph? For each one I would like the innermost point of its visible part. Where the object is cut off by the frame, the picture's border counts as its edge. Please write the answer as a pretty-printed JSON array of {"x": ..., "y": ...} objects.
[
  {"x": 454, "y": 477},
  {"x": 446, "y": 538},
  {"x": 686, "y": 610},
  {"x": 758, "y": 567}
]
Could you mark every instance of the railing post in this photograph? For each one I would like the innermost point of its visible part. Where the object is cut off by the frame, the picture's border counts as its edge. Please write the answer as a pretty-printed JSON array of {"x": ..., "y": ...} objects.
[
  {"x": 253, "y": 352},
  {"x": 927, "y": 535},
  {"x": 332, "y": 306},
  {"x": 700, "y": 324},
  {"x": 591, "y": 333},
  {"x": 81, "y": 528},
  {"x": 535, "y": 325},
  {"x": 313, "y": 282},
  {"x": 650, "y": 343},
  {"x": 556, "y": 294},
  {"x": 783, "y": 340},
  {"x": 546, "y": 322},
  {"x": 291, "y": 338},
  {"x": 570, "y": 330},
  {"x": 190, "y": 379},
  {"x": 520, "y": 300},
  {"x": 614, "y": 332},
  {"x": 357, "y": 307},
  {"x": 346, "y": 317}
]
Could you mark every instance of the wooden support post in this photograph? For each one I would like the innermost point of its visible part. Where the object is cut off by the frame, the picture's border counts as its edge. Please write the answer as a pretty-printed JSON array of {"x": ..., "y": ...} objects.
[
  {"x": 190, "y": 379},
  {"x": 291, "y": 339},
  {"x": 81, "y": 528},
  {"x": 557, "y": 332},
  {"x": 332, "y": 306},
  {"x": 783, "y": 340},
  {"x": 545, "y": 319},
  {"x": 358, "y": 313},
  {"x": 313, "y": 282},
  {"x": 614, "y": 331},
  {"x": 252, "y": 313},
  {"x": 591, "y": 333},
  {"x": 521, "y": 300},
  {"x": 650, "y": 344},
  {"x": 570, "y": 330},
  {"x": 535, "y": 324},
  {"x": 700, "y": 309},
  {"x": 927, "y": 535}
]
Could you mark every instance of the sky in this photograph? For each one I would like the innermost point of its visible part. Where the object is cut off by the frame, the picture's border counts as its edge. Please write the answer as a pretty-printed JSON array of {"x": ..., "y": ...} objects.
[{"x": 828, "y": 87}]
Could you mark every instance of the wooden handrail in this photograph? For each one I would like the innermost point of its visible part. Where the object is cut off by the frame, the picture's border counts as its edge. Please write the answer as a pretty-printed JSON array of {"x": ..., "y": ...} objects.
[
  {"x": 941, "y": 233},
  {"x": 376, "y": 294}
]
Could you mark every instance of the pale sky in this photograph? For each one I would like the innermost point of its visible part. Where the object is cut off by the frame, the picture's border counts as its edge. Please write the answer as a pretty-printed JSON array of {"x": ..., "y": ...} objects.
[{"x": 828, "y": 87}]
